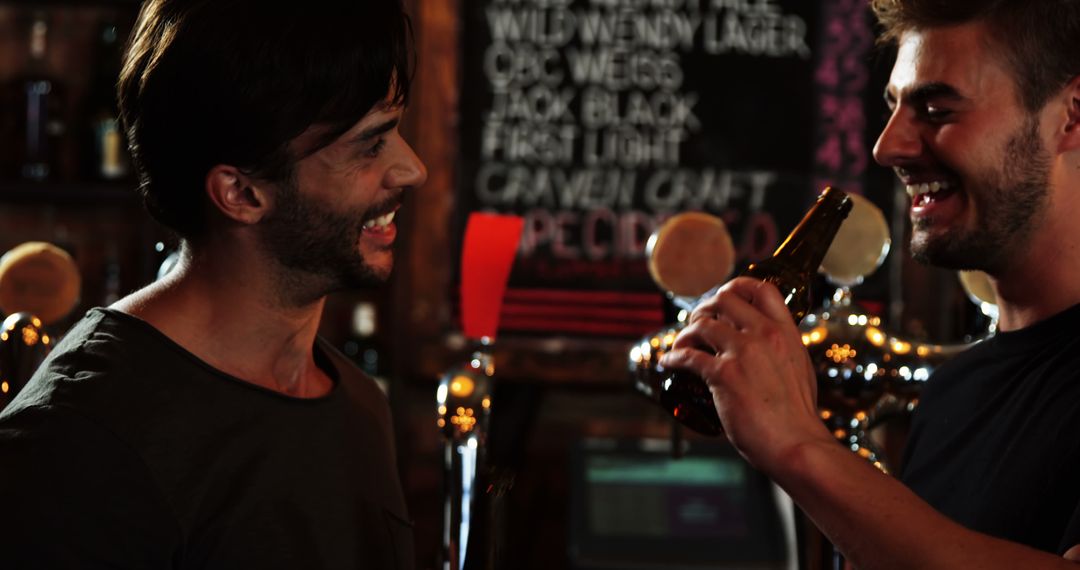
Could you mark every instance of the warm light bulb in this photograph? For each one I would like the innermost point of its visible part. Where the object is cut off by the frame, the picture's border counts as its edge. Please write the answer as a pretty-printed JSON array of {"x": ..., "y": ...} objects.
[
  {"x": 30, "y": 336},
  {"x": 462, "y": 386}
]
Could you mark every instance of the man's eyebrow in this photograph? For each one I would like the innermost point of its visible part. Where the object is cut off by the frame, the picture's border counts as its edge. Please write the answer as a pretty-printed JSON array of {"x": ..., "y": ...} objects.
[
  {"x": 927, "y": 91},
  {"x": 375, "y": 131}
]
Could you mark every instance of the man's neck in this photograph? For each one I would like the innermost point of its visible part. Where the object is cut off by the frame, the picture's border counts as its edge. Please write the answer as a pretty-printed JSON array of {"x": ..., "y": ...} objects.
[
  {"x": 1042, "y": 281},
  {"x": 226, "y": 310}
]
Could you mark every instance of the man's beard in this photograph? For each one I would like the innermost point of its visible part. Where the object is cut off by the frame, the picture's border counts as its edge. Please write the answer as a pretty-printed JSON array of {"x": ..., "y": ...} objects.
[
  {"x": 315, "y": 247},
  {"x": 1013, "y": 198}
]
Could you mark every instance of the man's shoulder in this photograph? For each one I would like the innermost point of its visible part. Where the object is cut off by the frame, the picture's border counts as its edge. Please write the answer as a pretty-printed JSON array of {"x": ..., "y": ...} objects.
[
  {"x": 109, "y": 371},
  {"x": 97, "y": 350},
  {"x": 100, "y": 340}
]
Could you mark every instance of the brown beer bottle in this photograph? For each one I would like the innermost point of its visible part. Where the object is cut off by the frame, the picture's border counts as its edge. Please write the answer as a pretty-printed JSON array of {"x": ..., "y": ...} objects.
[{"x": 791, "y": 268}]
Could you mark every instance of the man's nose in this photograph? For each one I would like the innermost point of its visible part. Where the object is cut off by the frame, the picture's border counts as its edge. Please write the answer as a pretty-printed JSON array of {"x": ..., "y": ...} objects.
[
  {"x": 408, "y": 171},
  {"x": 899, "y": 141}
]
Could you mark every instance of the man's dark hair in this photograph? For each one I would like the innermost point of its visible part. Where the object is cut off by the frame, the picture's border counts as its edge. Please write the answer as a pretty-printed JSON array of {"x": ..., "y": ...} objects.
[
  {"x": 208, "y": 82},
  {"x": 1038, "y": 39}
]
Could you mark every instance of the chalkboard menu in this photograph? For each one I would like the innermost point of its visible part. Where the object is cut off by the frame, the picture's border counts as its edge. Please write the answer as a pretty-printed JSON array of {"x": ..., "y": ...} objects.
[{"x": 596, "y": 120}]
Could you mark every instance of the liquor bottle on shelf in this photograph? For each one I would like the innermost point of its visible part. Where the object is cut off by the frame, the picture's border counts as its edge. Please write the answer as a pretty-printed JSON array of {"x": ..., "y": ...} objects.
[
  {"x": 40, "y": 104},
  {"x": 362, "y": 346},
  {"x": 106, "y": 152},
  {"x": 791, "y": 268}
]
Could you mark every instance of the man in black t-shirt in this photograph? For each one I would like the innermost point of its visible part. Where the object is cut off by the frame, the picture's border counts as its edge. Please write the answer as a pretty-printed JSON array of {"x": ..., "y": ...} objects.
[
  {"x": 984, "y": 133},
  {"x": 198, "y": 423}
]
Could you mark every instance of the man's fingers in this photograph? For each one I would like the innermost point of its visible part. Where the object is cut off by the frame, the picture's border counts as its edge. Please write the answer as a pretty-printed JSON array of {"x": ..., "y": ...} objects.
[
  {"x": 708, "y": 334},
  {"x": 1073, "y": 554},
  {"x": 763, "y": 297},
  {"x": 697, "y": 361},
  {"x": 731, "y": 307}
]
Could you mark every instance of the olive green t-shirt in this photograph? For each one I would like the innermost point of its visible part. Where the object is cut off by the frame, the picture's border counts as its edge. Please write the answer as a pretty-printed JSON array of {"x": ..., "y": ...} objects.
[{"x": 126, "y": 451}]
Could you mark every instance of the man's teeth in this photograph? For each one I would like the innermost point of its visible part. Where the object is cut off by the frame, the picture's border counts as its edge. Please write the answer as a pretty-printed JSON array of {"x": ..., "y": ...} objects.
[
  {"x": 381, "y": 221},
  {"x": 914, "y": 190}
]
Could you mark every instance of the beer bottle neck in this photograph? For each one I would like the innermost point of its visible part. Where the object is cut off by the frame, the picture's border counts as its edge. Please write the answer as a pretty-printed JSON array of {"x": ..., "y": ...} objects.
[{"x": 807, "y": 244}]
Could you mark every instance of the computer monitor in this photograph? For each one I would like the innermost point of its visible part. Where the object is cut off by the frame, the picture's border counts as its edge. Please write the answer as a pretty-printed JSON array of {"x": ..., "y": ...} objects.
[{"x": 634, "y": 506}]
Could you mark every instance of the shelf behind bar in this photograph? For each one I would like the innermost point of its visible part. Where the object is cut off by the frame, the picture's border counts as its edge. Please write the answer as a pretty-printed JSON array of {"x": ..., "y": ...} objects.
[
  {"x": 68, "y": 193},
  {"x": 65, "y": 3}
]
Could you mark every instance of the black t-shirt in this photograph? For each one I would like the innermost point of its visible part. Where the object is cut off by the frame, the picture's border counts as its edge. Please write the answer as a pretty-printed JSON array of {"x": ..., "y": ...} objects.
[
  {"x": 127, "y": 451},
  {"x": 995, "y": 443}
]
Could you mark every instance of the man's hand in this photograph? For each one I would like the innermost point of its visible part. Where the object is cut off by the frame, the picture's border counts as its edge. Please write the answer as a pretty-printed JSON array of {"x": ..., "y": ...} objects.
[{"x": 745, "y": 345}]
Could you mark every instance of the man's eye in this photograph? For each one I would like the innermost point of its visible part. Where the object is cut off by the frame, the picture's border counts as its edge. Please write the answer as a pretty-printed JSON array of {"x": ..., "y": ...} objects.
[
  {"x": 375, "y": 149},
  {"x": 937, "y": 113}
]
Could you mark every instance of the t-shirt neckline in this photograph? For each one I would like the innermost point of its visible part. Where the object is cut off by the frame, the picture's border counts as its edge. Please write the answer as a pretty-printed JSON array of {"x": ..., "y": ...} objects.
[{"x": 322, "y": 359}]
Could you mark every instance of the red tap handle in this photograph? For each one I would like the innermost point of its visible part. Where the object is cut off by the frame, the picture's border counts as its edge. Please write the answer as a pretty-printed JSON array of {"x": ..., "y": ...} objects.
[{"x": 491, "y": 242}]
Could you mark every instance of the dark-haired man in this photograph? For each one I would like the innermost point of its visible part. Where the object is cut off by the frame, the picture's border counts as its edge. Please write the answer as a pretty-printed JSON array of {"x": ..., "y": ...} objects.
[
  {"x": 199, "y": 422},
  {"x": 985, "y": 135}
]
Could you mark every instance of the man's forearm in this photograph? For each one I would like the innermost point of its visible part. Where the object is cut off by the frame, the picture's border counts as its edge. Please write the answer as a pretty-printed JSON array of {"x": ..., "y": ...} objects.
[{"x": 879, "y": 524}]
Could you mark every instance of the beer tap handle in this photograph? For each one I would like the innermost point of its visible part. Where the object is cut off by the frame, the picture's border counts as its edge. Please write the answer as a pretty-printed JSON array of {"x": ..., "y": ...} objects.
[{"x": 471, "y": 490}]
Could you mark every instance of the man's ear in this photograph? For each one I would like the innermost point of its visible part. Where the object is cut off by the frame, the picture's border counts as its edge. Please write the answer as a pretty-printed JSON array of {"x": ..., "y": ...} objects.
[
  {"x": 236, "y": 195},
  {"x": 1071, "y": 139}
]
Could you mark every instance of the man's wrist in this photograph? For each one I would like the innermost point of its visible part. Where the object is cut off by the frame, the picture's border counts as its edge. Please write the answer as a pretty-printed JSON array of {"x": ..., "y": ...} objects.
[{"x": 806, "y": 460}]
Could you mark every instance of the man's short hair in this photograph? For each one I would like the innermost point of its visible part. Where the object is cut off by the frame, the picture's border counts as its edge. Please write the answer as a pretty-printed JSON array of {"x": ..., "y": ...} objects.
[
  {"x": 208, "y": 82},
  {"x": 1038, "y": 39}
]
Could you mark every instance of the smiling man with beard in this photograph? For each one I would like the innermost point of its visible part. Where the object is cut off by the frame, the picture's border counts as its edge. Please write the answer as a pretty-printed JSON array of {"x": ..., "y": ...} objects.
[
  {"x": 200, "y": 422},
  {"x": 1016, "y": 194},
  {"x": 984, "y": 133}
]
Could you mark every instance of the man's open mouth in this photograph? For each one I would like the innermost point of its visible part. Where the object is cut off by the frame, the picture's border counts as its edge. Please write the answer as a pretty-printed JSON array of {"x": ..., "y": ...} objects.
[
  {"x": 925, "y": 193},
  {"x": 380, "y": 222}
]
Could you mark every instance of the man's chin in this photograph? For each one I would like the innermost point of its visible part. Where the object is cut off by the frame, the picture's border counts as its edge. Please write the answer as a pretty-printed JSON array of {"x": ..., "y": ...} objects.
[
  {"x": 953, "y": 253},
  {"x": 937, "y": 255},
  {"x": 381, "y": 266},
  {"x": 381, "y": 275},
  {"x": 370, "y": 274}
]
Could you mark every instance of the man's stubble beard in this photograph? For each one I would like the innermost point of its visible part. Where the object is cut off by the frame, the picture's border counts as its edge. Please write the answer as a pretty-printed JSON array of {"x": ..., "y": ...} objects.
[
  {"x": 315, "y": 248},
  {"x": 1014, "y": 198}
]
